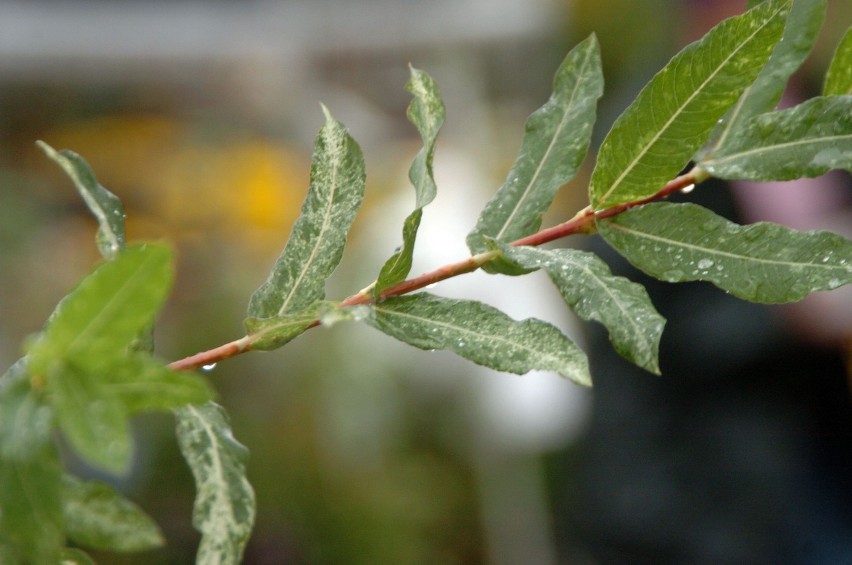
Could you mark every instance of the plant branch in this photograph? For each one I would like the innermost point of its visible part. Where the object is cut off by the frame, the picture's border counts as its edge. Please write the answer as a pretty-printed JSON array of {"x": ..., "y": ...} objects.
[{"x": 582, "y": 222}]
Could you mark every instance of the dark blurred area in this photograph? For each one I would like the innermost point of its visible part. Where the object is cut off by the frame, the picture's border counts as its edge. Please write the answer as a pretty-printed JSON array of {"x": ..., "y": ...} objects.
[{"x": 201, "y": 115}]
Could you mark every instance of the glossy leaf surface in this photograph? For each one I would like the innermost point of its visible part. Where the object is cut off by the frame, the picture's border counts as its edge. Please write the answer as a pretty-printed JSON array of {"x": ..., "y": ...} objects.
[
  {"x": 674, "y": 114},
  {"x": 224, "y": 504},
  {"x": 760, "y": 262},
  {"x": 594, "y": 293},
  {"x": 555, "y": 143},
  {"x": 316, "y": 243},
  {"x": 427, "y": 113},
  {"x": 804, "y": 141},
  {"x": 800, "y": 32},
  {"x": 480, "y": 333}
]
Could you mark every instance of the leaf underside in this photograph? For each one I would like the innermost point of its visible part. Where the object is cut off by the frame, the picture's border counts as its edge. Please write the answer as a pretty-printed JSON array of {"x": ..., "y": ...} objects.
[{"x": 760, "y": 262}]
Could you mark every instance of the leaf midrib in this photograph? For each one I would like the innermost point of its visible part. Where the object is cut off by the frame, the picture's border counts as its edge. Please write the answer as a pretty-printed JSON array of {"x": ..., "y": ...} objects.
[
  {"x": 491, "y": 337},
  {"x": 680, "y": 110},
  {"x": 325, "y": 222},
  {"x": 549, "y": 150},
  {"x": 721, "y": 253},
  {"x": 776, "y": 147}
]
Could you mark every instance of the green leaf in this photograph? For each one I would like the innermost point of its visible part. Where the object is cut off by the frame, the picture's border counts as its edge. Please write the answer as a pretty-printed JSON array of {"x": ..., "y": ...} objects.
[
  {"x": 143, "y": 383},
  {"x": 105, "y": 206},
  {"x": 316, "y": 243},
  {"x": 760, "y": 262},
  {"x": 31, "y": 522},
  {"x": 267, "y": 334},
  {"x": 94, "y": 420},
  {"x": 100, "y": 518},
  {"x": 426, "y": 112},
  {"x": 673, "y": 115},
  {"x": 838, "y": 78},
  {"x": 224, "y": 504},
  {"x": 74, "y": 556},
  {"x": 804, "y": 141},
  {"x": 107, "y": 310},
  {"x": 481, "y": 334},
  {"x": 556, "y": 141},
  {"x": 84, "y": 350},
  {"x": 800, "y": 33},
  {"x": 594, "y": 293}
]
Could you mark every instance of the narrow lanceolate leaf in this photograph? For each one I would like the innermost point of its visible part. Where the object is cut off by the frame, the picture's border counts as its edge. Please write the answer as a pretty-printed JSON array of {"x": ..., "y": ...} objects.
[
  {"x": 481, "y": 334},
  {"x": 31, "y": 523},
  {"x": 760, "y": 262},
  {"x": 804, "y": 141},
  {"x": 800, "y": 33},
  {"x": 316, "y": 243},
  {"x": 838, "y": 78},
  {"x": 105, "y": 206},
  {"x": 98, "y": 517},
  {"x": 556, "y": 141},
  {"x": 426, "y": 112},
  {"x": 224, "y": 502},
  {"x": 107, "y": 310},
  {"x": 594, "y": 293},
  {"x": 673, "y": 115}
]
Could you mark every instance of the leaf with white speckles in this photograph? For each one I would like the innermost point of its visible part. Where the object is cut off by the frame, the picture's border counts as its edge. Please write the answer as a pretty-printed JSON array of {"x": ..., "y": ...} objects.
[
  {"x": 594, "y": 293},
  {"x": 426, "y": 112},
  {"x": 760, "y": 262},
  {"x": 480, "y": 333},
  {"x": 316, "y": 243},
  {"x": 556, "y": 141},
  {"x": 104, "y": 205},
  {"x": 804, "y": 141},
  {"x": 224, "y": 502}
]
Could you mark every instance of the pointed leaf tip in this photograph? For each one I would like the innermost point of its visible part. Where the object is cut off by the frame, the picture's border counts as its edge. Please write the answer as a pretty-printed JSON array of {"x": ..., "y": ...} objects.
[
  {"x": 316, "y": 242},
  {"x": 674, "y": 113},
  {"x": 555, "y": 143}
]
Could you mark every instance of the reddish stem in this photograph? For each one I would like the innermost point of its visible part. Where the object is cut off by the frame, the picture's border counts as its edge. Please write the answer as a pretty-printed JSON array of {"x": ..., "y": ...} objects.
[{"x": 583, "y": 222}]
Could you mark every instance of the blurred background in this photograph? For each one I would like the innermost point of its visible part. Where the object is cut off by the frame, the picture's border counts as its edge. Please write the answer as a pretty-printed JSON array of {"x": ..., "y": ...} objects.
[{"x": 200, "y": 115}]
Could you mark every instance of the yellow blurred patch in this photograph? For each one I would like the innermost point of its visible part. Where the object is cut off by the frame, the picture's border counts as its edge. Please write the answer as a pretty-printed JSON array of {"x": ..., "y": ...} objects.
[{"x": 179, "y": 183}]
